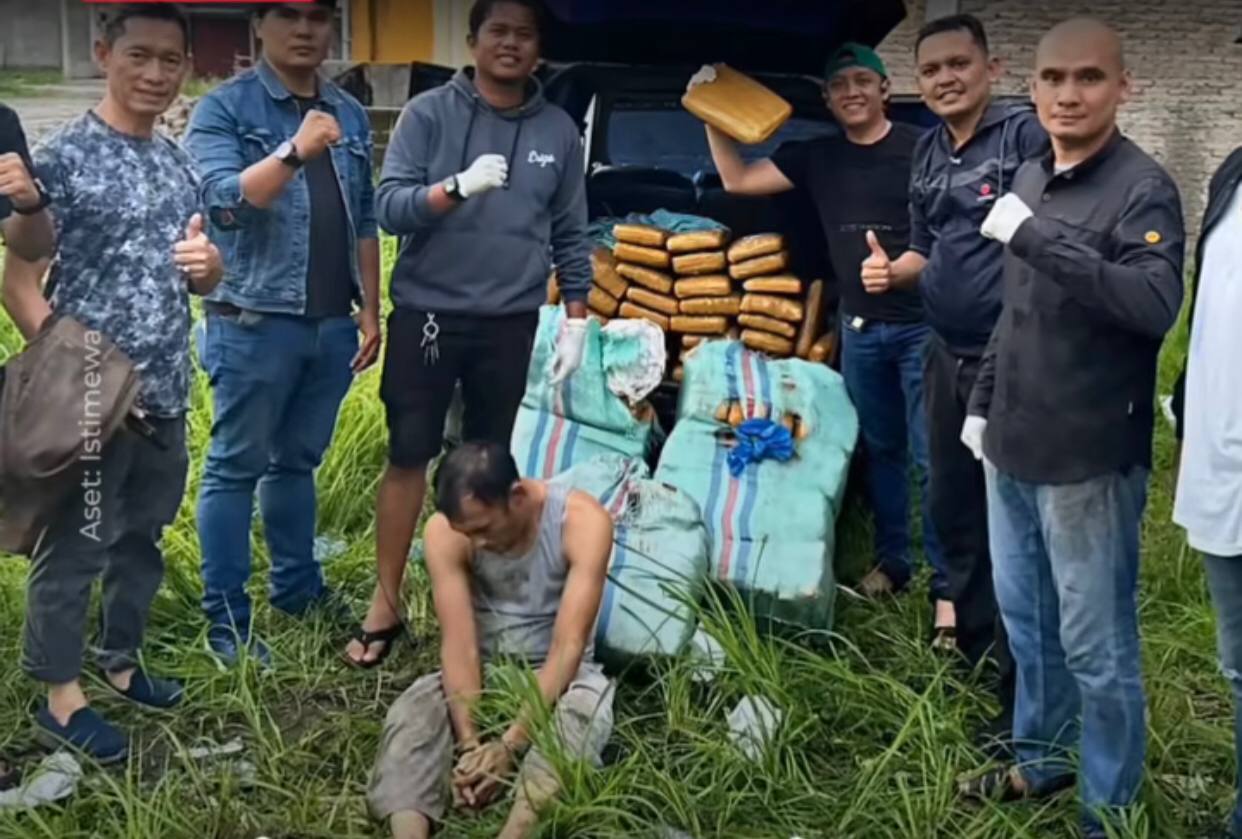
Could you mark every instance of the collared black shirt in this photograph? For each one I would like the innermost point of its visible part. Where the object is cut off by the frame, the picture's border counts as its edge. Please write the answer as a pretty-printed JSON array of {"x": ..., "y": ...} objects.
[
  {"x": 12, "y": 141},
  {"x": 1092, "y": 284}
]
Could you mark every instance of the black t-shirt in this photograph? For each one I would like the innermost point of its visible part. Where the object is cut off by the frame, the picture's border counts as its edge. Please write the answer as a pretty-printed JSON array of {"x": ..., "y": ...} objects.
[
  {"x": 12, "y": 140},
  {"x": 859, "y": 188},
  {"x": 329, "y": 289}
]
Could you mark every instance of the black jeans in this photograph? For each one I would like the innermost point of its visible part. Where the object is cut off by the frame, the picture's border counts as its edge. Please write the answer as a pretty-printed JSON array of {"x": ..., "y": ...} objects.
[
  {"x": 110, "y": 524},
  {"x": 959, "y": 509}
]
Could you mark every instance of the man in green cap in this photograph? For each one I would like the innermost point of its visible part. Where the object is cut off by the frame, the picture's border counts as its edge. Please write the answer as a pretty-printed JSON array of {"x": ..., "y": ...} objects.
[{"x": 859, "y": 181}]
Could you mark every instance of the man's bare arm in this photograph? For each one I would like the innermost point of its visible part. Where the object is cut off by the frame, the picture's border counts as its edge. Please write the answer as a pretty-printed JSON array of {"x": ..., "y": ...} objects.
[
  {"x": 22, "y": 293},
  {"x": 448, "y": 565},
  {"x": 739, "y": 177},
  {"x": 587, "y": 542},
  {"x": 907, "y": 268},
  {"x": 31, "y": 237}
]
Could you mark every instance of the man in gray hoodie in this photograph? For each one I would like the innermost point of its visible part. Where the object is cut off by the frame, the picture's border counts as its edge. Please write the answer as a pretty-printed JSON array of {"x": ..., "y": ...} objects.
[{"x": 484, "y": 182}]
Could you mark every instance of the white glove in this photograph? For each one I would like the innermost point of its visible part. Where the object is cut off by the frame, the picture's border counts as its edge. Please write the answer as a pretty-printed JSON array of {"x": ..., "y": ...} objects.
[
  {"x": 488, "y": 171},
  {"x": 707, "y": 73},
  {"x": 1006, "y": 217},
  {"x": 569, "y": 348},
  {"x": 972, "y": 435}
]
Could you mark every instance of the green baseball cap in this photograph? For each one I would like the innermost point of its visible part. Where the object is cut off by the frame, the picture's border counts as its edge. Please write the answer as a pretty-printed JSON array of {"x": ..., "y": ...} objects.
[{"x": 852, "y": 54}]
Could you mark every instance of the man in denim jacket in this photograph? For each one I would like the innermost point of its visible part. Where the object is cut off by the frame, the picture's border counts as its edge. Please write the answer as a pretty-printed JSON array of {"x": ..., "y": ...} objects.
[{"x": 285, "y": 157}]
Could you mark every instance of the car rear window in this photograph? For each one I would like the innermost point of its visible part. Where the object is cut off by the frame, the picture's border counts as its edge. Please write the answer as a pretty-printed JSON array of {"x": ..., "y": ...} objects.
[{"x": 673, "y": 139}]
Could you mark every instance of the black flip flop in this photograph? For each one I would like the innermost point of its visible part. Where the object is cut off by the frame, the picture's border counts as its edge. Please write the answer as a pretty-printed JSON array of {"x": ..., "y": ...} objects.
[{"x": 388, "y": 637}]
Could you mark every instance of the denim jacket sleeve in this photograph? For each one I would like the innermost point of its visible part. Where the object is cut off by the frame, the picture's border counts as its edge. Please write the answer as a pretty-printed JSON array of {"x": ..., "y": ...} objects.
[
  {"x": 368, "y": 227},
  {"x": 214, "y": 143},
  {"x": 401, "y": 200}
]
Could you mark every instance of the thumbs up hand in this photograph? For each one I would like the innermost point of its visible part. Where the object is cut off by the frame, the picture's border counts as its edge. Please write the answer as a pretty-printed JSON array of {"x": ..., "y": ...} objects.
[
  {"x": 198, "y": 258},
  {"x": 877, "y": 269}
]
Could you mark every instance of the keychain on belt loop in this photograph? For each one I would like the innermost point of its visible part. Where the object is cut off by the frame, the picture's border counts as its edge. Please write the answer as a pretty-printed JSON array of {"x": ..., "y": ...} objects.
[{"x": 430, "y": 344}]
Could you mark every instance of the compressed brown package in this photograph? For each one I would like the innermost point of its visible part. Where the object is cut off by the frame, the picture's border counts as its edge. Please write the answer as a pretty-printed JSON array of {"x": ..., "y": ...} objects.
[
  {"x": 699, "y": 324},
  {"x": 737, "y": 105},
  {"x": 780, "y": 284},
  {"x": 647, "y": 277},
  {"x": 554, "y": 290},
  {"x": 640, "y": 234},
  {"x": 604, "y": 269},
  {"x": 602, "y": 302},
  {"x": 630, "y": 310},
  {"x": 767, "y": 324},
  {"x": 693, "y": 264},
  {"x": 698, "y": 240},
  {"x": 760, "y": 244},
  {"x": 811, "y": 320},
  {"x": 728, "y": 306},
  {"x": 781, "y": 308},
  {"x": 767, "y": 342},
  {"x": 651, "y": 300},
  {"x": 638, "y": 255},
  {"x": 773, "y": 263},
  {"x": 689, "y": 342},
  {"x": 715, "y": 286},
  {"x": 823, "y": 349}
]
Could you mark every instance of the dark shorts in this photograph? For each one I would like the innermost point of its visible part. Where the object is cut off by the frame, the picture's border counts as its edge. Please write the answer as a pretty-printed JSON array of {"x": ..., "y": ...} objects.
[{"x": 488, "y": 355}]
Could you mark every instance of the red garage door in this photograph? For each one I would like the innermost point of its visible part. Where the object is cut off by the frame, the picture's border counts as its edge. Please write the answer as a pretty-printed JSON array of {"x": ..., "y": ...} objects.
[{"x": 217, "y": 41}]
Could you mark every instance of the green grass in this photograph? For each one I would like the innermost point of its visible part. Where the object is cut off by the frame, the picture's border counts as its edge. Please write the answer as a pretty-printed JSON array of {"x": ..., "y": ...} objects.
[
  {"x": 876, "y": 730},
  {"x": 15, "y": 84}
]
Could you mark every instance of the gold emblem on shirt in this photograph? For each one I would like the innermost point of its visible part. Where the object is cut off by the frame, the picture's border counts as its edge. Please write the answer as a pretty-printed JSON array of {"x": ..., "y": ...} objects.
[{"x": 1153, "y": 237}]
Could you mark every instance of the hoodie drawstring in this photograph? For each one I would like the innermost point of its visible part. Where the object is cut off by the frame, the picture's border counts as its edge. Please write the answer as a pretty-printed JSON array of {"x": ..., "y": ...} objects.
[
  {"x": 465, "y": 147},
  {"x": 517, "y": 138},
  {"x": 513, "y": 150}
]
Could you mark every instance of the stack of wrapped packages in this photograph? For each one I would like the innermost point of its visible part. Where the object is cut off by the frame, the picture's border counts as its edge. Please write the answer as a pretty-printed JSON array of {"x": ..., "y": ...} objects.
[
  {"x": 779, "y": 316},
  {"x": 707, "y": 303},
  {"x": 764, "y": 446}
]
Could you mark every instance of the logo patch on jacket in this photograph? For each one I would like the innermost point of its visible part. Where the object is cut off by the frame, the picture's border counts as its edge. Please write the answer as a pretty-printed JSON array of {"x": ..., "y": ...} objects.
[
  {"x": 1152, "y": 237},
  {"x": 539, "y": 158}
]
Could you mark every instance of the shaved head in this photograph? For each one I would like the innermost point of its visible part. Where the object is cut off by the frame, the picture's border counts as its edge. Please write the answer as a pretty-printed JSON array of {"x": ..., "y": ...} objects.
[
  {"x": 1079, "y": 36},
  {"x": 1080, "y": 81}
]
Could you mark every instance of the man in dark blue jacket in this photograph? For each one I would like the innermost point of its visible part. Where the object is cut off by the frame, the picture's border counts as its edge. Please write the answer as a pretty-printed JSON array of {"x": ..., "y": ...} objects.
[{"x": 960, "y": 168}]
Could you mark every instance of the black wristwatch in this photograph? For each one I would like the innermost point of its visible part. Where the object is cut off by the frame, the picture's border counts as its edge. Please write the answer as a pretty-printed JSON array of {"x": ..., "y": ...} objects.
[
  {"x": 287, "y": 153},
  {"x": 453, "y": 189}
]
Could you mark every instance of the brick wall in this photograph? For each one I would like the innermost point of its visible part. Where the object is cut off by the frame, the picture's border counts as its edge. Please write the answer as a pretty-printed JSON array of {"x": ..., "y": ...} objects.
[{"x": 1187, "y": 107}]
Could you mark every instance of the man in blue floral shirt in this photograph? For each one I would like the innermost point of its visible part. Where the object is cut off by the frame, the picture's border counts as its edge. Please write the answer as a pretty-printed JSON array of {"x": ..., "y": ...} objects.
[{"x": 130, "y": 251}]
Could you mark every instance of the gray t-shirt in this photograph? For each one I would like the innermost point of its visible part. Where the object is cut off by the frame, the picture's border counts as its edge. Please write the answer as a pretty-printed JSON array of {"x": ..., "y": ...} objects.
[{"x": 121, "y": 204}]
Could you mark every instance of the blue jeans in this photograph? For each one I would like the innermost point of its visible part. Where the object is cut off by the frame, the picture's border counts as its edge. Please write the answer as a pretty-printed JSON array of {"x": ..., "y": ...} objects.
[
  {"x": 278, "y": 382},
  {"x": 1224, "y": 576},
  {"x": 883, "y": 369},
  {"x": 1065, "y": 560}
]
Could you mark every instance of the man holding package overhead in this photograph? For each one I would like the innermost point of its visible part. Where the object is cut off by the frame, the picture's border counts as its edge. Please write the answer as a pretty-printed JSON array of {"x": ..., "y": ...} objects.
[
  {"x": 484, "y": 182},
  {"x": 859, "y": 182},
  {"x": 1063, "y": 413}
]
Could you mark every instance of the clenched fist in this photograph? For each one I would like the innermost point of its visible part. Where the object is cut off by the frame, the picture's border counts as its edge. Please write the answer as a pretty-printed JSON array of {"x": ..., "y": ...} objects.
[
  {"x": 318, "y": 131},
  {"x": 16, "y": 182},
  {"x": 877, "y": 269}
]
